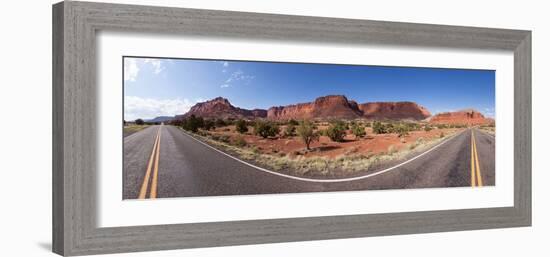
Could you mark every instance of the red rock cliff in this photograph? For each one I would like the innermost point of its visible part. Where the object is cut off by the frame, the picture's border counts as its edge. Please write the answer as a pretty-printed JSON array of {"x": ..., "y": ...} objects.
[
  {"x": 464, "y": 117},
  {"x": 326, "y": 107},
  {"x": 394, "y": 111},
  {"x": 340, "y": 107}
]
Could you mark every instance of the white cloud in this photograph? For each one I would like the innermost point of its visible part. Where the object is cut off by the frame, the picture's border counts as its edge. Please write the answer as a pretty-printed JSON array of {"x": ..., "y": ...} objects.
[
  {"x": 157, "y": 64},
  {"x": 133, "y": 66},
  {"x": 148, "y": 108},
  {"x": 239, "y": 76},
  {"x": 224, "y": 86},
  {"x": 131, "y": 69}
]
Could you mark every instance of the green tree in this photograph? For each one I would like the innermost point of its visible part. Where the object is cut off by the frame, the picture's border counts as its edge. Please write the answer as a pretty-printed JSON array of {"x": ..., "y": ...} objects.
[
  {"x": 306, "y": 131},
  {"x": 336, "y": 131},
  {"x": 176, "y": 122},
  {"x": 266, "y": 129},
  {"x": 139, "y": 122},
  {"x": 241, "y": 126},
  {"x": 193, "y": 123}
]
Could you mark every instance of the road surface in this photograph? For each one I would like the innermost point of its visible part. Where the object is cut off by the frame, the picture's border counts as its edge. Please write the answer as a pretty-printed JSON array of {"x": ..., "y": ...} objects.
[{"x": 163, "y": 161}]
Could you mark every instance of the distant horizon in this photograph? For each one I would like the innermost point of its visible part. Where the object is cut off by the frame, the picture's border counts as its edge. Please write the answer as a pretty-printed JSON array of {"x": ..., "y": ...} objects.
[{"x": 169, "y": 87}]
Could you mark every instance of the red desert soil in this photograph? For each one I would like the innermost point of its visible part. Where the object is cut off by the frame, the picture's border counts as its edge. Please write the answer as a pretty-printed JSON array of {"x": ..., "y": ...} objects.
[{"x": 372, "y": 144}]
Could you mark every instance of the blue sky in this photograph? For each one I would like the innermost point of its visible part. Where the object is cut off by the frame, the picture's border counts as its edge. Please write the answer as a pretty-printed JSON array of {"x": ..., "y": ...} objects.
[{"x": 166, "y": 87}]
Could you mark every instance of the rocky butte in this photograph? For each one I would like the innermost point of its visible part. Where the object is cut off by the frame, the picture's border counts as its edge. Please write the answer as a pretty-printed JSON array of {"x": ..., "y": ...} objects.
[
  {"x": 326, "y": 107},
  {"x": 220, "y": 107},
  {"x": 394, "y": 111},
  {"x": 464, "y": 117}
]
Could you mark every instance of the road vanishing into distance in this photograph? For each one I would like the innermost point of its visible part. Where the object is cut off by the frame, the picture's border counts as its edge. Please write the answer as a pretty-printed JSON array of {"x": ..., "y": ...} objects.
[{"x": 163, "y": 161}]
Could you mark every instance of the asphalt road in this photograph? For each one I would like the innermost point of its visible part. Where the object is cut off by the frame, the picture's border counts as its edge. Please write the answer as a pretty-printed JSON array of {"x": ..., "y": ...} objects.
[{"x": 162, "y": 161}]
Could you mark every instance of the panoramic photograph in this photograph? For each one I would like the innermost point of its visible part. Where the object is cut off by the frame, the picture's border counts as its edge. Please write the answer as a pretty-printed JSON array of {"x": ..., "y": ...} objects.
[{"x": 196, "y": 127}]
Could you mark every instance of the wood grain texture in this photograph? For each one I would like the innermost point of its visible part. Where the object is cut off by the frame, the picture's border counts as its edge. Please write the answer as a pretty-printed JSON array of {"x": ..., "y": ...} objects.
[
  {"x": 75, "y": 25},
  {"x": 58, "y": 229}
]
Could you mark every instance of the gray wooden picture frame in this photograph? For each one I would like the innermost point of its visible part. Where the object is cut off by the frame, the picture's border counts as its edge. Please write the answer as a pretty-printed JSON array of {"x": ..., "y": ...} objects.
[{"x": 75, "y": 25}]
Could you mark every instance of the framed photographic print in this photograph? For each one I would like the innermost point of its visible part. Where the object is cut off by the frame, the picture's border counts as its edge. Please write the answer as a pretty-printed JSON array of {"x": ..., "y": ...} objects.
[{"x": 182, "y": 128}]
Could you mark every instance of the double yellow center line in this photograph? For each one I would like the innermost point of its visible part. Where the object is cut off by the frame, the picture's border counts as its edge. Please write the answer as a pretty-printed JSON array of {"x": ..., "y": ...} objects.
[
  {"x": 476, "y": 172},
  {"x": 154, "y": 165}
]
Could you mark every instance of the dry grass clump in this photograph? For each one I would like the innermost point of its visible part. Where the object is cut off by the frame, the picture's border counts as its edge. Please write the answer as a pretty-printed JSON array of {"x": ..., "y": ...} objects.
[{"x": 131, "y": 129}]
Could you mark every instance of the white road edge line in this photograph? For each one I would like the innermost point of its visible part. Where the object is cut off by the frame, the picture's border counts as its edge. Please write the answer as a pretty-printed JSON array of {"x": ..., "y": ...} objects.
[{"x": 326, "y": 180}]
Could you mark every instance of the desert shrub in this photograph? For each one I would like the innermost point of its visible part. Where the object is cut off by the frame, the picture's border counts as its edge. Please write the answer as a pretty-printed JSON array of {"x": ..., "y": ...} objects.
[
  {"x": 306, "y": 131},
  {"x": 401, "y": 130},
  {"x": 389, "y": 128},
  {"x": 139, "y": 122},
  {"x": 379, "y": 128},
  {"x": 209, "y": 124},
  {"x": 230, "y": 121},
  {"x": 413, "y": 126},
  {"x": 224, "y": 138},
  {"x": 293, "y": 122},
  {"x": 441, "y": 126},
  {"x": 427, "y": 128},
  {"x": 368, "y": 125},
  {"x": 358, "y": 130},
  {"x": 290, "y": 130},
  {"x": 441, "y": 135},
  {"x": 239, "y": 141},
  {"x": 241, "y": 126},
  {"x": 336, "y": 131},
  {"x": 266, "y": 129},
  {"x": 220, "y": 123}
]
